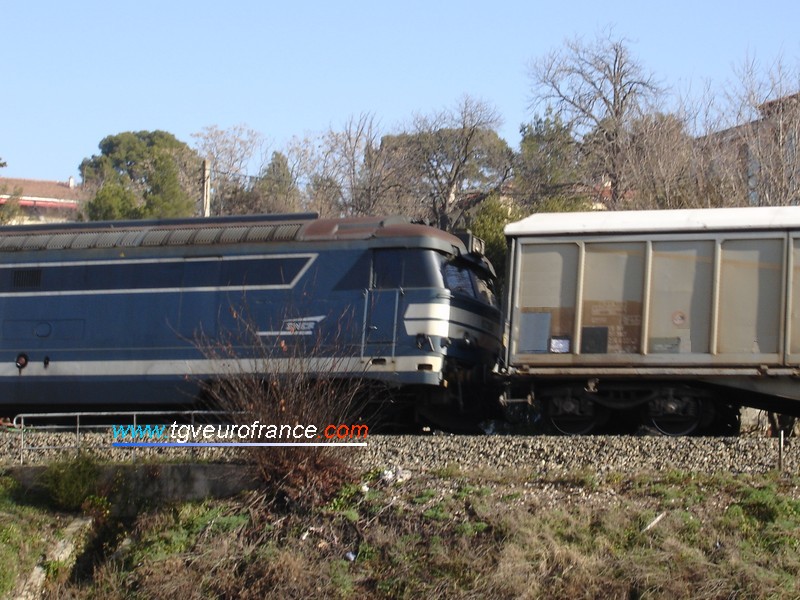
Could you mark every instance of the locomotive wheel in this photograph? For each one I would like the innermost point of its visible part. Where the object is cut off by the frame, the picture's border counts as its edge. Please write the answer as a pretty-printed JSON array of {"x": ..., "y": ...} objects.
[
  {"x": 575, "y": 415},
  {"x": 676, "y": 414}
]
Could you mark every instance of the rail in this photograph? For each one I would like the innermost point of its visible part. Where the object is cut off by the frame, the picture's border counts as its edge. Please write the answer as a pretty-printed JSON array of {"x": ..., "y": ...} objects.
[{"x": 83, "y": 423}]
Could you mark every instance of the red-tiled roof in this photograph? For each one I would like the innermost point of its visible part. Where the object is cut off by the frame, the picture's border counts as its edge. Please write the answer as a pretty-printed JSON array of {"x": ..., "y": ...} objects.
[{"x": 45, "y": 190}]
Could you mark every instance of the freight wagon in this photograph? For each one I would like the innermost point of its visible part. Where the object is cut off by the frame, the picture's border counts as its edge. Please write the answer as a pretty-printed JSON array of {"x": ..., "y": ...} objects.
[{"x": 673, "y": 317}]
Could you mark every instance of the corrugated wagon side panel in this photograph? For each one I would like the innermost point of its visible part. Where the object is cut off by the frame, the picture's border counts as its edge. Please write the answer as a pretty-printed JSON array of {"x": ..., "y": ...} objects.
[
  {"x": 751, "y": 289},
  {"x": 793, "y": 329},
  {"x": 613, "y": 291},
  {"x": 704, "y": 299},
  {"x": 681, "y": 296},
  {"x": 547, "y": 292}
]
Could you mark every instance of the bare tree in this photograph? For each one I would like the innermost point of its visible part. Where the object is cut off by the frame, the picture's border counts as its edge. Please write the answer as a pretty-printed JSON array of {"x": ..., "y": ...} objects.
[
  {"x": 450, "y": 156},
  {"x": 596, "y": 88},
  {"x": 350, "y": 171},
  {"x": 361, "y": 166},
  {"x": 661, "y": 162},
  {"x": 757, "y": 154},
  {"x": 702, "y": 118},
  {"x": 230, "y": 152},
  {"x": 322, "y": 195},
  {"x": 311, "y": 166}
]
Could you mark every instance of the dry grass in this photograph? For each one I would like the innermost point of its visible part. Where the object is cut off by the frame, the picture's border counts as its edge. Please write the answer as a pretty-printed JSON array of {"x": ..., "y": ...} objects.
[
  {"x": 27, "y": 527},
  {"x": 466, "y": 536}
]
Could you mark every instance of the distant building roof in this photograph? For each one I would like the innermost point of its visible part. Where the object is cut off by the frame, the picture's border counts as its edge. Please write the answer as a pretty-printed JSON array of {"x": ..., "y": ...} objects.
[
  {"x": 36, "y": 189},
  {"x": 48, "y": 200},
  {"x": 770, "y": 107}
]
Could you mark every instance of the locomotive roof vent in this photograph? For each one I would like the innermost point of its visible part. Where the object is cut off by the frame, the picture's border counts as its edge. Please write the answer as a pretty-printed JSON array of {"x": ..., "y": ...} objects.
[
  {"x": 231, "y": 235},
  {"x": 260, "y": 234},
  {"x": 180, "y": 237},
  {"x": 207, "y": 235}
]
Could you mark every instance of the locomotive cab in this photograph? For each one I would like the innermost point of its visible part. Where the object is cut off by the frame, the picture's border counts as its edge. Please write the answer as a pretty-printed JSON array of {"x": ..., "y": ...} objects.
[{"x": 432, "y": 324}]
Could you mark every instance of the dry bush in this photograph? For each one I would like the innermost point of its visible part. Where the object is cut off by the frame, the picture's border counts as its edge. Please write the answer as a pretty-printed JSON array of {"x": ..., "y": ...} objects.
[{"x": 289, "y": 380}]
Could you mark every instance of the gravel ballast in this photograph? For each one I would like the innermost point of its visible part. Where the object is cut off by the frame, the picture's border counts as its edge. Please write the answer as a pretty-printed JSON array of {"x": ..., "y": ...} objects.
[{"x": 535, "y": 454}]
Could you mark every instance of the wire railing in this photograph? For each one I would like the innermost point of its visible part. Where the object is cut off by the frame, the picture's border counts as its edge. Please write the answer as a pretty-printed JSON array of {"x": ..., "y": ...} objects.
[{"x": 31, "y": 429}]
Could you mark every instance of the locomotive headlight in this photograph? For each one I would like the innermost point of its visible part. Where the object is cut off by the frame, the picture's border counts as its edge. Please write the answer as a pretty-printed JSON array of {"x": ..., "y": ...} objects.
[{"x": 21, "y": 361}]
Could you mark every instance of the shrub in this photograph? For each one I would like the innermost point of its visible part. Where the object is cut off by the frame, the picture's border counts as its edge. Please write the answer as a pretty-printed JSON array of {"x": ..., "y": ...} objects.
[
  {"x": 281, "y": 383},
  {"x": 69, "y": 483}
]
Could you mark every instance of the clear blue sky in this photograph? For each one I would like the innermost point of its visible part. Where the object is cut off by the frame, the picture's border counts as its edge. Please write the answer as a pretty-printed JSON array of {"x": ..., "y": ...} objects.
[{"x": 74, "y": 72}]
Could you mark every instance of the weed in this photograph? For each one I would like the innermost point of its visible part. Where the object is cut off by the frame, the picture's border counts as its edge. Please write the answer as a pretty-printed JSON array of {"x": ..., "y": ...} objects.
[
  {"x": 342, "y": 581},
  {"x": 584, "y": 478},
  {"x": 69, "y": 483},
  {"x": 346, "y": 502},
  {"x": 11, "y": 542},
  {"x": 568, "y": 545},
  {"x": 424, "y": 497},
  {"x": 350, "y": 514},
  {"x": 394, "y": 587},
  {"x": 447, "y": 472},
  {"x": 437, "y": 512},
  {"x": 373, "y": 475},
  {"x": 97, "y": 507},
  {"x": 690, "y": 528},
  {"x": 54, "y": 570},
  {"x": 345, "y": 498},
  {"x": 372, "y": 497},
  {"x": 366, "y": 552},
  {"x": 177, "y": 529},
  {"x": 761, "y": 504},
  {"x": 470, "y": 528},
  {"x": 464, "y": 491},
  {"x": 226, "y": 523}
]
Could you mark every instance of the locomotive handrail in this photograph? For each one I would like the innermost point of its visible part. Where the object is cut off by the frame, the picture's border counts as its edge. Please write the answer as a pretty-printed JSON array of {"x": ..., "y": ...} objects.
[{"x": 19, "y": 423}]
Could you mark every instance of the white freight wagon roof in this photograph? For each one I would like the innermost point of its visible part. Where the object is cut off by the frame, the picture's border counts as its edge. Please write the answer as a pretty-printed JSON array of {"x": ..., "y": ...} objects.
[{"x": 697, "y": 219}]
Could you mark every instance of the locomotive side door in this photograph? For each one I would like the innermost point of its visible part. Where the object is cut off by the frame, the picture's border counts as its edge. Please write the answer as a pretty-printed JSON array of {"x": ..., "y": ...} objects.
[{"x": 382, "y": 304}]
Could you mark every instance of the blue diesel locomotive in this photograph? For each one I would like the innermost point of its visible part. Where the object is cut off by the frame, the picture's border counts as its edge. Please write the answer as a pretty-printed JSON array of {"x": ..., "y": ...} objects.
[{"x": 111, "y": 313}]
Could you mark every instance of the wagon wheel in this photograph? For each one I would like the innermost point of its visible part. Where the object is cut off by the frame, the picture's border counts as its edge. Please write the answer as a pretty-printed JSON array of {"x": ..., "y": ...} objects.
[
  {"x": 676, "y": 412},
  {"x": 572, "y": 414}
]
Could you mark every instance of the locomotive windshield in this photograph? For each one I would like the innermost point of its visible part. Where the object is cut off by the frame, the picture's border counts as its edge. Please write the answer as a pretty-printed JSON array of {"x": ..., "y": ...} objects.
[{"x": 461, "y": 277}]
